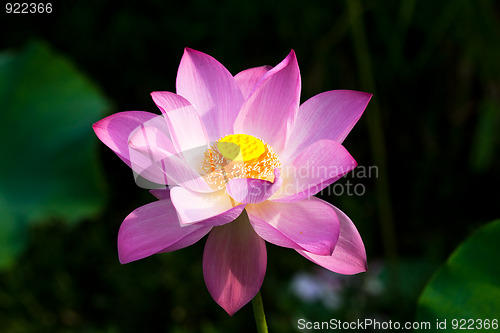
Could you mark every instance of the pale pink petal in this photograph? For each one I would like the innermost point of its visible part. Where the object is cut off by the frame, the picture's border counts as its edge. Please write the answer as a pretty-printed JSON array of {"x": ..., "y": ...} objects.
[
  {"x": 252, "y": 191},
  {"x": 234, "y": 264},
  {"x": 349, "y": 256},
  {"x": 151, "y": 142},
  {"x": 247, "y": 79},
  {"x": 309, "y": 225},
  {"x": 115, "y": 130},
  {"x": 148, "y": 136},
  {"x": 146, "y": 145},
  {"x": 211, "y": 89},
  {"x": 330, "y": 115},
  {"x": 212, "y": 209},
  {"x": 154, "y": 228},
  {"x": 270, "y": 111},
  {"x": 318, "y": 166},
  {"x": 185, "y": 126},
  {"x": 163, "y": 164}
]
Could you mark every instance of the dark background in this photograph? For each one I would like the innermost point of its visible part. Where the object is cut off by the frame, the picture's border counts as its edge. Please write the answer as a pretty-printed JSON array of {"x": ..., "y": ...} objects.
[{"x": 431, "y": 129}]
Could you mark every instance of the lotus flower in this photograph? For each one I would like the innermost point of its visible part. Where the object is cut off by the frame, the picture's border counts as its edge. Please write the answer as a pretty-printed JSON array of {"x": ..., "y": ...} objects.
[{"x": 242, "y": 161}]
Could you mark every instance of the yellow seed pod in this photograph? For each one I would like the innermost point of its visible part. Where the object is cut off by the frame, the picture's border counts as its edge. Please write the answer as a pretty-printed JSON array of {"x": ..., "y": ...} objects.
[{"x": 241, "y": 147}]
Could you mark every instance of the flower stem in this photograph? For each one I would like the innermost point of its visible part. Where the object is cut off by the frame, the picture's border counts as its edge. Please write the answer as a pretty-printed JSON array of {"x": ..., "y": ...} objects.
[{"x": 258, "y": 312}]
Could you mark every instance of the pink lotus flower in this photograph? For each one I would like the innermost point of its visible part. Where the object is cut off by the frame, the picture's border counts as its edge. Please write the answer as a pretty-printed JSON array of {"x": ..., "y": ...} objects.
[{"x": 242, "y": 160}]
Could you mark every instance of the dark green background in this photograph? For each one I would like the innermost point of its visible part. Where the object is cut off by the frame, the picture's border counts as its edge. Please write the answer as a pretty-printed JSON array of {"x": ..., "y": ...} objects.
[{"x": 433, "y": 69}]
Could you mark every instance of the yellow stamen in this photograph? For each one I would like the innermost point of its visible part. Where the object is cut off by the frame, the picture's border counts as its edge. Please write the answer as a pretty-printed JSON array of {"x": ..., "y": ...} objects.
[{"x": 238, "y": 156}]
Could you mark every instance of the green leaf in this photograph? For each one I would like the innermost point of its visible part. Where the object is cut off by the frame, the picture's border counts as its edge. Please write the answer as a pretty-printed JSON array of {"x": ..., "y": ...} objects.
[
  {"x": 468, "y": 285},
  {"x": 49, "y": 166}
]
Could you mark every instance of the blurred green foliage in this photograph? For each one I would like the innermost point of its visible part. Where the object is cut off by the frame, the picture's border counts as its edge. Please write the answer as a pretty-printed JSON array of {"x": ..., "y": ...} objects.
[
  {"x": 436, "y": 81},
  {"x": 468, "y": 285},
  {"x": 49, "y": 167}
]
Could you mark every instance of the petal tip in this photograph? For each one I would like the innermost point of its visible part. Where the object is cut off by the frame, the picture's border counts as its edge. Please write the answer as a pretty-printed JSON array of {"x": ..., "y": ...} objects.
[
  {"x": 231, "y": 307},
  {"x": 95, "y": 127},
  {"x": 362, "y": 268},
  {"x": 98, "y": 125},
  {"x": 122, "y": 260},
  {"x": 230, "y": 310},
  {"x": 154, "y": 93},
  {"x": 291, "y": 58},
  {"x": 192, "y": 52}
]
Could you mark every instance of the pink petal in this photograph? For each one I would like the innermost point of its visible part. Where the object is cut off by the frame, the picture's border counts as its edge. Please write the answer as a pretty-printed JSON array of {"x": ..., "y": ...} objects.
[
  {"x": 149, "y": 140},
  {"x": 191, "y": 238},
  {"x": 211, "y": 209},
  {"x": 211, "y": 89},
  {"x": 234, "y": 264},
  {"x": 161, "y": 194},
  {"x": 309, "y": 225},
  {"x": 115, "y": 130},
  {"x": 349, "y": 256},
  {"x": 184, "y": 123},
  {"x": 155, "y": 228},
  {"x": 330, "y": 115},
  {"x": 162, "y": 163},
  {"x": 247, "y": 79},
  {"x": 318, "y": 166},
  {"x": 252, "y": 191},
  {"x": 146, "y": 146},
  {"x": 270, "y": 111}
]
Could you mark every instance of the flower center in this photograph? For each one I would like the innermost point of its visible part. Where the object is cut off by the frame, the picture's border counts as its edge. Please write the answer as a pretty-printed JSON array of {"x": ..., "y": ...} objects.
[{"x": 238, "y": 156}]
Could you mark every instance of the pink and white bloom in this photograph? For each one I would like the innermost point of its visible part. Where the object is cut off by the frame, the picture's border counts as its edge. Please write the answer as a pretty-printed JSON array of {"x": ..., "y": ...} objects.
[{"x": 242, "y": 161}]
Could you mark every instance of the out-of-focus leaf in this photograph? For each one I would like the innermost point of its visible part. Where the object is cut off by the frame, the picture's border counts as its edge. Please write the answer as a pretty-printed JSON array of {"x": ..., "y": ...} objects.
[
  {"x": 48, "y": 163},
  {"x": 486, "y": 136},
  {"x": 12, "y": 234},
  {"x": 468, "y": 285}
]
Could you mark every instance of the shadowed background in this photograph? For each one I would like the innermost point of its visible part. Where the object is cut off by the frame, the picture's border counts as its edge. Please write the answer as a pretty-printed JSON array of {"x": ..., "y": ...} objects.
[{"x": 431, "y": 129}]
